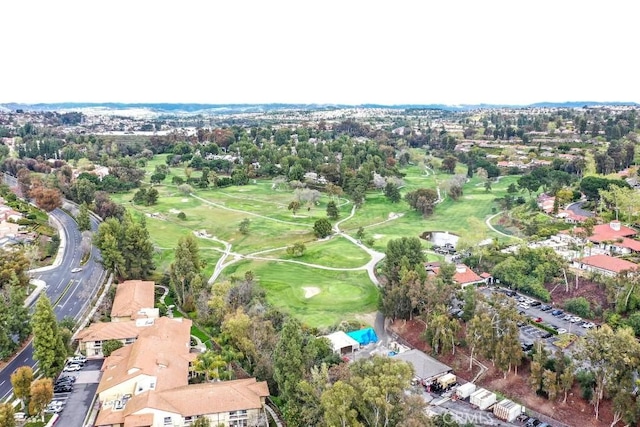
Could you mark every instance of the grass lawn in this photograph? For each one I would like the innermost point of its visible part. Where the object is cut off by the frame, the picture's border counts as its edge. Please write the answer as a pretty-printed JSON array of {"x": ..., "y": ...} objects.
[
  {"x": 343, "y": 294},
  {"x": 336, "y": 252}
]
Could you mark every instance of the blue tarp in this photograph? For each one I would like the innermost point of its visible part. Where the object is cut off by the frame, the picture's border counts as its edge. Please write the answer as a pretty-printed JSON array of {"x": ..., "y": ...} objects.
[{"x": 364, "y": 336}]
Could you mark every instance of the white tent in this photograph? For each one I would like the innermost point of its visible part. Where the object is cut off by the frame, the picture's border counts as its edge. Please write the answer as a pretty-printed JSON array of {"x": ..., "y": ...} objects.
[{"x": 342, "y": 343}]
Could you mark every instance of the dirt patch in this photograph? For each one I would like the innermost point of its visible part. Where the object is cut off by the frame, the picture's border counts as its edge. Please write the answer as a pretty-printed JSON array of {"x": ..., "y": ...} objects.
[
  {"x": 593, "y": 292},
  {"x": 575, "y": 412},
  {"x": 378, "y": 236},
  {"x": 310, "y": 291},
  {"x": 368, "y": 318}
]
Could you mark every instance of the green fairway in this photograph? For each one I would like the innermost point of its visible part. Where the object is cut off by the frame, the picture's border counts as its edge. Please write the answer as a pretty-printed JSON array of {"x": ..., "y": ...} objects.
[
  {"x": 343, "y": 294},
  {"x": 273, "y": 227}
]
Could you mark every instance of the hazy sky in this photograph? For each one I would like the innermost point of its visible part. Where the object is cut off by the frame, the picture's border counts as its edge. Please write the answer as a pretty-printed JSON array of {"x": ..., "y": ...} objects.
[{"x": 309, "y": 51}]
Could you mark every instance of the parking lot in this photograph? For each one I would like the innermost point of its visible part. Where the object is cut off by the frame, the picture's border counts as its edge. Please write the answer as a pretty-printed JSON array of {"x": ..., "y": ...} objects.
[{"x": 77, "y": 403}]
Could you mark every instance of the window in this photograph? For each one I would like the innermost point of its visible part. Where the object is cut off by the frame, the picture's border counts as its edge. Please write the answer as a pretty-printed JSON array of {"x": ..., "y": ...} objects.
[
  {"x": 97, "y": 344},
  {"x": 188, "y": 420},
  {"x": 167, "y": 421},
  {"x": 238, "y": 423},
  {"x": 129, "y": 340}
]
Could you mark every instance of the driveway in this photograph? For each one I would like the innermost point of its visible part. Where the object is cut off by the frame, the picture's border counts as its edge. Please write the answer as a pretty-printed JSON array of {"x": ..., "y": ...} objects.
[{"x": 78, "y": 402}]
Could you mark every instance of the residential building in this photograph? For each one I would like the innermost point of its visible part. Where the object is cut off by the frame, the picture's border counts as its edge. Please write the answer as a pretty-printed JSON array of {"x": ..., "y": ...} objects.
[
  {"x": 464, "y": 276},
  {"x": 146, "y": 384},
  {"x": 134, "y": 300},
  {"x": 605, "y": 265}
]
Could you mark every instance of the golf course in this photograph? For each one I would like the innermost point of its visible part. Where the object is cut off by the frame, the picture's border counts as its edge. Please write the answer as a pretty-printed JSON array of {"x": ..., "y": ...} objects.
[{"x": 333, "y": 280}]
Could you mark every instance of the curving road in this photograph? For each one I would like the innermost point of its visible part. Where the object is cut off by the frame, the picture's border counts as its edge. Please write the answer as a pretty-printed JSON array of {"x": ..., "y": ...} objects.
[{"x": 70, "y": 293}]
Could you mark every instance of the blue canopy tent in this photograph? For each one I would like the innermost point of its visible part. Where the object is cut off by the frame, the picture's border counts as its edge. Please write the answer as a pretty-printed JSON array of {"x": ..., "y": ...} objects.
[{"x": 364, "y": 336}]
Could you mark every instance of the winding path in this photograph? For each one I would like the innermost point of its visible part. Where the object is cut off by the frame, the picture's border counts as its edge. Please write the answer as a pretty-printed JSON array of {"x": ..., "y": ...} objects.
[
  {"x": 224, "y": 261},
  {"x": 495, "y": 230}
]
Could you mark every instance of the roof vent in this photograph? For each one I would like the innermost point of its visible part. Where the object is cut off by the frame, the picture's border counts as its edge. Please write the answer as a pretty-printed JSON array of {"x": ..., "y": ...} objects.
[
  {"x": 615, "y": 225},
  {"x": 461, "y": 268}
]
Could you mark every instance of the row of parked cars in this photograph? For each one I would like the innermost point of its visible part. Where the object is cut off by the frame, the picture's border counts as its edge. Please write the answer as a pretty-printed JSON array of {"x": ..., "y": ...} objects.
[
  {"x": 64, "y": 383},
  {"x": 526, "y": 303}
]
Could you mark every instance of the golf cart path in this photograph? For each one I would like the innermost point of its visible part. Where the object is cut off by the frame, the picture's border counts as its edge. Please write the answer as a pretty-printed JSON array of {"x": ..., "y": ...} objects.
[{"x": 491, "y": 227}]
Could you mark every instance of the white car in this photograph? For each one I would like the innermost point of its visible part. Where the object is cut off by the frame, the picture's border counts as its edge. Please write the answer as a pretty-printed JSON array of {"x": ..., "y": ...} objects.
[
  {"x": 76, "y": 270},
  {"x": 80, "y": 359},
  {"x": 524, "y": 305},
  {"x": 576, "y": 319},
  {"x": 561, "y": 331},
  {"x": 588, "y": 325},
  {"x": 54, "y": 407},
  {"x": 71, "y": 367}
]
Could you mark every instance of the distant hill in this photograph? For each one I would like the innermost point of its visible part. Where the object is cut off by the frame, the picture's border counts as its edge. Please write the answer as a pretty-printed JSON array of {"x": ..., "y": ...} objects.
[{"x": 190, "y": 108}]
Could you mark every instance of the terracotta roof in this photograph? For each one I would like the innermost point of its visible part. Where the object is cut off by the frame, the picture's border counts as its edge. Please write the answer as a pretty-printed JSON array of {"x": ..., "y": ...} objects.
[
  {"x": 131, "y": 297},
  {"x": 161, "y": 351},
  {"x": 606, "y": 262},
  {"x": 485, "y": 275},
  {"x": 632, "y": 244},
  {"x": 604, "y": 232},
  {"x": 103, "y": 331},
  {"x": 215, "y": 398},
  {"x": 141, "y": 420},
  {"x": 463, "y": 275}
]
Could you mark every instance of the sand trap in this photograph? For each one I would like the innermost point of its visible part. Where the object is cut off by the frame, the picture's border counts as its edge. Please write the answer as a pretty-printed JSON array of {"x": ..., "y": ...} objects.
[
  {"x": 378, "y": 236},
  {"x": 185, "y": 200},
  {"x": 310, "y": 291},
  {"x": 174, "y": 211}
]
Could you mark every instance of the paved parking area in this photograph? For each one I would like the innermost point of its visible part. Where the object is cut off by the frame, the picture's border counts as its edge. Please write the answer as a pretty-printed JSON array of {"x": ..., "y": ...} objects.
[{"x": 78, "y": 402}]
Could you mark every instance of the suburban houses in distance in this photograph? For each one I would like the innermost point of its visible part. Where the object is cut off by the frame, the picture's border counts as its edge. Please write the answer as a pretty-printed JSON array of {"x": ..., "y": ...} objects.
[{"x": 146, "y": 382}]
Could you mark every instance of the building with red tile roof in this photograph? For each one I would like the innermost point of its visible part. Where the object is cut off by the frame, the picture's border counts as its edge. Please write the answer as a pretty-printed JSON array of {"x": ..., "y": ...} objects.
[
  {"x": 605, "y": 264},
  {"x": 464, "y": 276}
]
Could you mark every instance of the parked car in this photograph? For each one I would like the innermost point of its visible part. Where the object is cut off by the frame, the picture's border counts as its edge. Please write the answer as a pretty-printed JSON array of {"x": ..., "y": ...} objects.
[
  {"x": 80, "y": 359},
  {"x": 65, "y": 380},
  {"x": 557, "y": 313},
  {"x": 536, "y": 319},
  {"x": 588, "y": 325},
  {"x": 535, "y": 303},
  {"x": 72, "y": 367},
  {"x": 62, "y": 388},
  {"x": 532, "y": 422},
  {"x": 526, "y": 346},
  {"x": 561, "y": 331},
  {"x": 524, "y": 305},
  {"x": 546, "y": 335},
  {"x": 567, "y": 317},
  {"x": 575, "y": 319},
  {"x": 54, "y": 407},
  {"x": 545, "y": 307}
]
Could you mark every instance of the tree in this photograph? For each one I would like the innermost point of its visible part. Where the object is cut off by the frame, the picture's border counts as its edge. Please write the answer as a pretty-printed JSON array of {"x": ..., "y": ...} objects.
[
  {"x": 151, "y": 197},
  {"x": 110, "y": 346},
  {"x": 46, "y": 198},
  {"x": 212, "y": 365},
  {"x": 332, "y": 210},
  {"x": 322, "y": 228},
  {"x": 48, "y": 348},
  {"x": 423, "y": 200},
  {"x": 449, "y": 164},
  {"x": 392, "y": 193},
  {"x": 337, "y": 402},
  {"x": 289, "y": 359},
  {"x": 83, "y": 219},
  {"x": 297, "y": 249},
  {"x": 294, "y": 206},
  {"x": 244, "y": 226},
  {"x": 7, "y": 415},
  {"x": 186, "y": 266},
  {"x": 21, "y": 381},
  {"x": 41, "y": 393},
  {"x": 202, "y": 422}
]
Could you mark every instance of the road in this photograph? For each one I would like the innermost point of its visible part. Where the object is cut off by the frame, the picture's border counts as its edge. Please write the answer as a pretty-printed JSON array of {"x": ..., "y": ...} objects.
[
  {"x": 70, "y": 293},
  {"x": 576, "y": 208}
]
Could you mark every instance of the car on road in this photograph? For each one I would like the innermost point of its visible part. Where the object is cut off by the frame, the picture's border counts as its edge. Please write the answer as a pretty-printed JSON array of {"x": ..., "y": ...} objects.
[
  {"x": 76, "y": 270},
  {"x": 72, "y": 367},
  {"x": 557, "y": 313}
]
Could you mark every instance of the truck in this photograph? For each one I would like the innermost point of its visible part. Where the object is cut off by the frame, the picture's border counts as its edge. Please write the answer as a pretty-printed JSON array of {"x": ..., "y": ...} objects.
[{"x": 483, "y": 399}]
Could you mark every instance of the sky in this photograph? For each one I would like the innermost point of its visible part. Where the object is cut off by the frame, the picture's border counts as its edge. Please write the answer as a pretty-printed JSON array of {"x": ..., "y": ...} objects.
[{"x": 326, "y": 52}]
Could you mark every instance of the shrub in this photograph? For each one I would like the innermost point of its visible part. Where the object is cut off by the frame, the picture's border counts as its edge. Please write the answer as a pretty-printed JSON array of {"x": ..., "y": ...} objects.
[{"x": 579, "y": 306}]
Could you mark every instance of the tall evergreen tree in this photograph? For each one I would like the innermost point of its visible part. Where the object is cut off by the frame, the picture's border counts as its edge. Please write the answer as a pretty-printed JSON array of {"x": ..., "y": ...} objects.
[
  {"x": 289, "y": 359},
  {"x": 83, "y": 220},
  {"x": 18, "y": 313},
  {"x": 185, "y": 268},
  {"x": 48, "y": 348}
]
